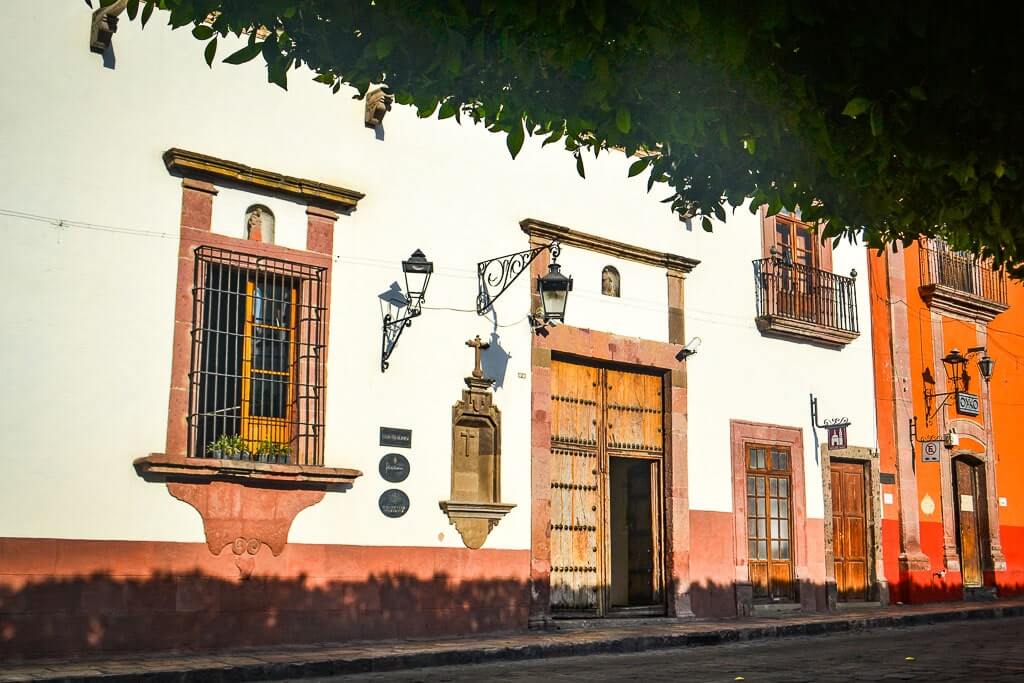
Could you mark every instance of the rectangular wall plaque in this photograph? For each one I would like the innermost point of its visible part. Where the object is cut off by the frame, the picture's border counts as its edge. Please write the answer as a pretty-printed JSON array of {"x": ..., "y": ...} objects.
[
  {"x": 887, "y": 477},
  {"x": 398, "y": 438},
  {"x": 967, "y": 404}
]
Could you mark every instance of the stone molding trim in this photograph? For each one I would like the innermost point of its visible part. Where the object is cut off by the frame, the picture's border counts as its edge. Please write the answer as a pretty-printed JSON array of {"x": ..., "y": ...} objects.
[
  {"x": 628, "y": 252},
  {"x": 803, "y": 330},
  {"x": 877, "y": 584},
  {"x": 960, "y": 305},
  {"x": 742, "y": 433},
  {"x": 313, "y": 192},
  {"x": 202, "y": 470},
  {"x": 474, "y": 521}
]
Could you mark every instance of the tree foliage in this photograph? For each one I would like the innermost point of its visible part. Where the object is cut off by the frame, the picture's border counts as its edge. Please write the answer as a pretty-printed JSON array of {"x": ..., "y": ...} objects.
[{"x": 894, "y": 120}]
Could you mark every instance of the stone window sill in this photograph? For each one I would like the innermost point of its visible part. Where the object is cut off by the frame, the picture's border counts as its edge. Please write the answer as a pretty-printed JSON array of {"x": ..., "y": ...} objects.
[
  {"x": 805, "y": 331},
  {"x": 203, "y": 470}
]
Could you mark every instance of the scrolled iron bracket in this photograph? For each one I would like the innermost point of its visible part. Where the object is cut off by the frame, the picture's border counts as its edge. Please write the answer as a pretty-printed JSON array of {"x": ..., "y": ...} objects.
[
  {"x": 496, "y": 275},
  {"x": 392, "y": 331}
]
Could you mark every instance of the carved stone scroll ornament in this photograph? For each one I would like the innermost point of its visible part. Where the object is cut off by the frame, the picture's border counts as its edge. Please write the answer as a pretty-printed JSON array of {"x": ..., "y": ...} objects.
[
  {"x": 378, "y": 103},
  {"x": 104, "y": 25},
  {"x": 474, "y": 507}
]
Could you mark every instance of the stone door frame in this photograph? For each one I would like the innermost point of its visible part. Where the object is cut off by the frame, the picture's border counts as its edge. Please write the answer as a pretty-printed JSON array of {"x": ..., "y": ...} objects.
[{"x": 878, "y": 587}]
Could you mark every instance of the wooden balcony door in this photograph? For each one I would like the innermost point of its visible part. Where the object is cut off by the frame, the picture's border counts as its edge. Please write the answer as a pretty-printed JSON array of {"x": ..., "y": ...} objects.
[
  {"x": 795, "y": 245},
  {"x": 849, "y": 530},
  {"x": 606, "y": 484},
  {"x": 769, "y": 523},
  {"x": 970, "y": 510}
]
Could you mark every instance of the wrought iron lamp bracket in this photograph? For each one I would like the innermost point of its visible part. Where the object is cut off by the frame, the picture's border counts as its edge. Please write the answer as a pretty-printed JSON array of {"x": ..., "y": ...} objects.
[
  {"x": 829, "y": 422},
  {"x": 392, "y": 331},
  {"x": 496, "y": 275}
]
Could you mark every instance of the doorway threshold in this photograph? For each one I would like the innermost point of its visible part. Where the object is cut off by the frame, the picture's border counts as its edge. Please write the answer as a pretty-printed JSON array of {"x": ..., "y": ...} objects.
[
  {"x": 847, "y": 606},
  {"x": 775, "y": 609},
  {"x": 597, "y": 623}
]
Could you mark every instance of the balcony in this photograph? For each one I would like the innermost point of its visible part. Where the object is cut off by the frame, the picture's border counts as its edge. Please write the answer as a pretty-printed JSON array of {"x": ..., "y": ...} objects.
[
  {"x": 958, "y": 284},
  {"x": 798, "y": 302}
]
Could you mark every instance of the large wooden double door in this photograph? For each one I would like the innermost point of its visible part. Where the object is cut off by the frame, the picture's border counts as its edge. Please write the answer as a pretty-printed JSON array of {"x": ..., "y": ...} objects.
[{"x": 607, "y": 446}]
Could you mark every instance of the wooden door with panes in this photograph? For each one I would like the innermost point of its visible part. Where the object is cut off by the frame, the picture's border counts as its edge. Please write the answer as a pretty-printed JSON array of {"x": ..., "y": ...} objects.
[
  {"x": 849, "y": 530},
  {"x": 969, "y": 504},
  {"x": 769, "y": 523},
  {"x": 798, "y": 281},
  {"x": 268, "y": 360},
  {"x": 596, "y": 414}
]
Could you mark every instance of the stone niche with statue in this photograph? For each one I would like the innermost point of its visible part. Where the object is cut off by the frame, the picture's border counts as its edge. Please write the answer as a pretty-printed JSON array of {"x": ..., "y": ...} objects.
[{"x": 475, "y": 505}]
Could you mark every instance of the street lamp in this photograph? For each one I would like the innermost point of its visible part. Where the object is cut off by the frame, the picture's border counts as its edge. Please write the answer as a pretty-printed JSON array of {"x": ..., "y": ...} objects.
[
  {"x": 985, "y": 366},
  {"x": 417, "y": 270},
  {"x": 554, "y": 291}
]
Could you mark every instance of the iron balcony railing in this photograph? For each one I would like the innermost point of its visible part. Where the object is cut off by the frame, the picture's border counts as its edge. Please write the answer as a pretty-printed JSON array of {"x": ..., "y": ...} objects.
[
  {"x": 799, "y": 292},
  {"x": 961, "y": 271}
]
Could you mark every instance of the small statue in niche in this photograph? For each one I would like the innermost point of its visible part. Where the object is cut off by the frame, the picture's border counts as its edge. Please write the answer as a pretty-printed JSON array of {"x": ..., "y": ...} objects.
[
  {"x": 259, "y": 224},
  {"x": 610, "y": 281},
  {"x": 475, "y": 506}
]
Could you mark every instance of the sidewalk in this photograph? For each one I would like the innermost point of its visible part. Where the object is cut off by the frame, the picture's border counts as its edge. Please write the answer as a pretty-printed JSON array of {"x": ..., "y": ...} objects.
[{"x": 354, "y": 658}]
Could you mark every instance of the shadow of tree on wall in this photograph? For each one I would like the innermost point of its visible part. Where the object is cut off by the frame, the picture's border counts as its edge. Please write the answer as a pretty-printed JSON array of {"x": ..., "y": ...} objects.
[{"x": 193, "y": 611}]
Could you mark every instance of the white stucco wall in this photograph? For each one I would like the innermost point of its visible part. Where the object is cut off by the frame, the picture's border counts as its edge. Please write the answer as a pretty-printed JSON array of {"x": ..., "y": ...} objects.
[{"x": 89, "y": 303}]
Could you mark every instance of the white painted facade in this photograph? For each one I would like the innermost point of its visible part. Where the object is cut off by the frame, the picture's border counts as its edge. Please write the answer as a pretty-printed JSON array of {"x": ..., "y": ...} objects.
[{"x": 89, "y": 220}]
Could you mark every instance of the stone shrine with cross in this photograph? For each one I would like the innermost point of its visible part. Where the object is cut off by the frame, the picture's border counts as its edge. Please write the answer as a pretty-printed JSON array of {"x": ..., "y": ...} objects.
[{"x": 475, "y": 505}]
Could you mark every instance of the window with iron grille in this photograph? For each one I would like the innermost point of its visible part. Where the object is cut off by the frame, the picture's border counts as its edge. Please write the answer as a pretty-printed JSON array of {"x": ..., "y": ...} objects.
[{"x": 258, "y": 341}]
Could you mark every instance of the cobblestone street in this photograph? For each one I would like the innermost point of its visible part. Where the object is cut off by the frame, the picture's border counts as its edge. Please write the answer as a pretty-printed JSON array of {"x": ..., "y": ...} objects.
[{"x": 980, "y": 651}]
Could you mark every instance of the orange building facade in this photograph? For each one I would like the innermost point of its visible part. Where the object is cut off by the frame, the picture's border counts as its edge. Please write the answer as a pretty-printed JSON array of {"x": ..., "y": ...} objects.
[{"x": 950, "y": 439}]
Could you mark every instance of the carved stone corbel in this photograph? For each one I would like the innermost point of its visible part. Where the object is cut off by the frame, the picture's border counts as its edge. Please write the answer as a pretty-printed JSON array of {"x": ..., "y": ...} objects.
[
  {"x": 475, "y": 506},
  {"x": 378, "y": 103},
  {"x": 104, "y": 26}
]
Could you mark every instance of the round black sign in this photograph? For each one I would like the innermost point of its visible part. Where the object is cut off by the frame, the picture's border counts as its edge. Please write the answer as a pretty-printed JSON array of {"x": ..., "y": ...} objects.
[
  {"x": 393, "y": 503},
  {"x": 394, "y": 467}
]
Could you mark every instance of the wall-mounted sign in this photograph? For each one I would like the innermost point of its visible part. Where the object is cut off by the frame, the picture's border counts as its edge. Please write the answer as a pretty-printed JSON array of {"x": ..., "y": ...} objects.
[
  {"x": 392, "y": 436},
  {"x": 836, "y": 437},
  {"x": 393, "y": 503},
  {"x": 930, "y": 451},
  {"x": 394, "y": 467},
  {"x": 967, "y": 404}
]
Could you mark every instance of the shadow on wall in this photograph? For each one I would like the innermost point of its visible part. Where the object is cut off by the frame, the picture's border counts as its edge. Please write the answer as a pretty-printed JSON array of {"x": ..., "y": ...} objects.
[{"x": 58, "y": 617}]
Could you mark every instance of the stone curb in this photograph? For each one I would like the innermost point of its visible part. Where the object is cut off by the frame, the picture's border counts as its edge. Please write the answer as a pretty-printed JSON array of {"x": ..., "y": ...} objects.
[{"x": 477, "y": 655}]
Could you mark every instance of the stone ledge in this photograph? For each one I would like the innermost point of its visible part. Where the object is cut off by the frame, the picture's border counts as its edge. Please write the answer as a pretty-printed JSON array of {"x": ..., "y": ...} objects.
[
  {"x": 803, "y": 330},
  {"x": 242, "y": 471},
  {"x": 958, "y": 304}
]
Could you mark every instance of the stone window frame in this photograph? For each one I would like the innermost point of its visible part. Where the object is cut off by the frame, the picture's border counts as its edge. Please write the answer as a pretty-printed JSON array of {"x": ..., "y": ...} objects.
[
  {"x": 741, "y": 434},
  {"x": 324, "y": 203},
  {"x": 878, "y": 586}
]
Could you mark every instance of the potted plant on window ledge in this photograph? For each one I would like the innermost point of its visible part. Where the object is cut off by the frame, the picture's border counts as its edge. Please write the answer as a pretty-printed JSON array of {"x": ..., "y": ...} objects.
[{"x": 234, "y": 447}]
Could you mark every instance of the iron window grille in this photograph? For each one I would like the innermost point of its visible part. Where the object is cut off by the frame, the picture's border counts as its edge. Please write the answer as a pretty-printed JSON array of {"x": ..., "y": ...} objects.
[
  {"x": 791, "y": 290},
  {"x": 256, "y": 380},
  {"x": 961, "y": 271}
]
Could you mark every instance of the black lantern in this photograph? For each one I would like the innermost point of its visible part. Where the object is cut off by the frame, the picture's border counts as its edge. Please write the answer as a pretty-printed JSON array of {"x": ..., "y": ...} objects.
[
  {"x": 554, "y": 291},
  {"x": 954, "y": 363},
  {"x": 417, "y": 271},
  {"x": 985, "y": 365}
]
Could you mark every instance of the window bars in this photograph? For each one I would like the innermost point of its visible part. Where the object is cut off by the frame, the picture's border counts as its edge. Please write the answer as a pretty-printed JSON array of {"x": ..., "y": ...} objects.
[
  {"x": 800, "y": 292},
  {"x": 256, "y": 380}
]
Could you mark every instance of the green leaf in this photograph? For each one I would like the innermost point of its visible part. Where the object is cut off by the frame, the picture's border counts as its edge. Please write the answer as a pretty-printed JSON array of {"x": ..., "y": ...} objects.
[
  {"x": 448, "y": 110},
  {"x": 244, "y": 55},
  {"x": 856, "y": 107},
  {"x": 917, "y": 92},
  {"x": 1000, "y": 169},
  {"x": 877, "y": 126},
  {"x": 579, "y": 165},
  {"x": 202, "y": 32},
  {"x": 705, "y": 223},
  {"x": 515, "y": 138},
  {"x": 595, "y": 13},
  {"x": 277, "y": 73},
  {"x": 622, "y": 121},
  {"x": 132, "y": 9},
  {"x": 147, "y": 12},
  {"x": 382, "y": 48},
  {"x": 638, "y": 166},
  {"x": 210, "y": 52}
]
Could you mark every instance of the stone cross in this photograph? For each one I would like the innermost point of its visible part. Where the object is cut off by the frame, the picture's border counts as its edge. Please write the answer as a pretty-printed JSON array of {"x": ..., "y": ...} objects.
[{"x": 478, "y": 346}]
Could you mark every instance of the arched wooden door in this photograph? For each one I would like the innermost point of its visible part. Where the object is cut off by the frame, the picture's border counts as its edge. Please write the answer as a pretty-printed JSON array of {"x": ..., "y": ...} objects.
[{"x": 970, "y": 504}]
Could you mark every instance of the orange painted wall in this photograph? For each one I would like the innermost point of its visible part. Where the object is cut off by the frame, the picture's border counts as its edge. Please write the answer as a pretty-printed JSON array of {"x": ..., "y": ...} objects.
[{"x": 1005, "y": 343}]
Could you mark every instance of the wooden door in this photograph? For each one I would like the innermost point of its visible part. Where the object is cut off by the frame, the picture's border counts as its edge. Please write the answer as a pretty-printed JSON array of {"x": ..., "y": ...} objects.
[
  {"x": 595, "y": 413},
  {"x": 797, "y": 279},
  {"x": 769, "y": 523},
  {"x": 968, "y": 502},
  {"x": 849, "y": 530}
]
